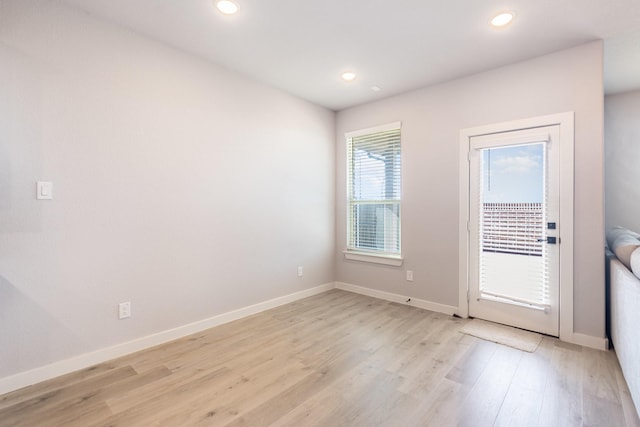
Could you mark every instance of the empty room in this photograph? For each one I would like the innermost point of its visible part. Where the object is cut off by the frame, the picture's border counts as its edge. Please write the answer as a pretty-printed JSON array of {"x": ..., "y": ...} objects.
[{"x": 336, "y": 213}]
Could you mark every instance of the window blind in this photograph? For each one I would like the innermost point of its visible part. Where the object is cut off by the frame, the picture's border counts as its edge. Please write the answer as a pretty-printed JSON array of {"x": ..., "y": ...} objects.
[
  {"x": 374, "y": 191},
  {"x": 513, "y": 255}
]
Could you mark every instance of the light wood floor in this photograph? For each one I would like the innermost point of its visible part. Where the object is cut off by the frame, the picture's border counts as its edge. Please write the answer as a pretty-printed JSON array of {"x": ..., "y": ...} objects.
[{"x": 335, "y": 359}]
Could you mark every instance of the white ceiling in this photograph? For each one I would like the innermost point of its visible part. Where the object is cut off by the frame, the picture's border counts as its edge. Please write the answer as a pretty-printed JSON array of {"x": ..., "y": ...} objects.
[{"x": 302, "y": 46}]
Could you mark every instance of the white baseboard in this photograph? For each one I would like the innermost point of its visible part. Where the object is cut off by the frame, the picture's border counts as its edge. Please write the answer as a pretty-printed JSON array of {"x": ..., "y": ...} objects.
[
  {"x": 43, "y": 373},
  {"x": 576, "y": 338},
  {"x": 402, "y": 299},
  {"x": 589, "y": 341}
]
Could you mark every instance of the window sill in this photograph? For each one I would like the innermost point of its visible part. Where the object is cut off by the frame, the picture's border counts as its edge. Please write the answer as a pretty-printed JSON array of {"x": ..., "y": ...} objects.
[{"x": 394, "y": 260}]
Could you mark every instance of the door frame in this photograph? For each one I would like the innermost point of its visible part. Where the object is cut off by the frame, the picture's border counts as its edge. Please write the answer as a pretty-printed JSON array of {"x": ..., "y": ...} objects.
[{"x": 566, "y": 158}]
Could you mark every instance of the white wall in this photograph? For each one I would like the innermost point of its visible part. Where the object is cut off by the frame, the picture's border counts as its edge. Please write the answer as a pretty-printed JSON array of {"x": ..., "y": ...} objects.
[
  {"x": 180, "y": 186},
  {"x": 622, "y": 159},
  {"x": 432, "y": 118}
]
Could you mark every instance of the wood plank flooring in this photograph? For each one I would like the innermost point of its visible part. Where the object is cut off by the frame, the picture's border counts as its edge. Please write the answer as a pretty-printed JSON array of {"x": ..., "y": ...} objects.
[{"x": 335, "y": 359}]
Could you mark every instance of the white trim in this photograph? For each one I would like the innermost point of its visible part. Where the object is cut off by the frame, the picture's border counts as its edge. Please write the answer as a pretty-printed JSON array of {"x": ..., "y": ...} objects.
[
  {"x": 575, "y": 338},
  {"x": 43, "y": 373},
  {"x": 566, "y": 123},
  {"x": 401, "y": 299},
  {"x": 567, "y": 178},
  {"x": 589, "y": 341},
  {"x": 500, "y": 140},
  {"x": 66, "y": 366},
  {"x": 463, "y": 225},
  {"x": 375, "y": 129},
  {"x": 393, "y": 260}
]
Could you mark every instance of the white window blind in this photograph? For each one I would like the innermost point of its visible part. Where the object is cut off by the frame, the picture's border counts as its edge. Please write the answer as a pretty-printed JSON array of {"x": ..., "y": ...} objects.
[
  {"x": 373, "y": 190},
  {"x": 513, "y": 254}
]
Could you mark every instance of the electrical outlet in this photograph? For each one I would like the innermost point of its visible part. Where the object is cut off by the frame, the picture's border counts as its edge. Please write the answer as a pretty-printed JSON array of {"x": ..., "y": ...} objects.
[
  {"x": 409, "y": 275},
  {"x": 124, "y": 310},
  {"x": 300, "y": 271}
]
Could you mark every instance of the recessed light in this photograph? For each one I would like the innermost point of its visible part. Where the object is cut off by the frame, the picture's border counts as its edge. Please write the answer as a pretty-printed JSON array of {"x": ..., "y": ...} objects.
[
  {"x": 502, "y": 19},
  {"x": 375, "y": 88},
  {"x": 227, "y": 7},
  {"x": 348, "y": 76}
]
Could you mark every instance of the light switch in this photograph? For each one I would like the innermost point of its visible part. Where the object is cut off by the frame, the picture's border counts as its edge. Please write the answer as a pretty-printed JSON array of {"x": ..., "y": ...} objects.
[{"x": 44, "y": 190}]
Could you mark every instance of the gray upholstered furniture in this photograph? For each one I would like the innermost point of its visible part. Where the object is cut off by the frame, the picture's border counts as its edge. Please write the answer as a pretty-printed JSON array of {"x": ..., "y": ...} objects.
[{"x": 624, "y": 304}]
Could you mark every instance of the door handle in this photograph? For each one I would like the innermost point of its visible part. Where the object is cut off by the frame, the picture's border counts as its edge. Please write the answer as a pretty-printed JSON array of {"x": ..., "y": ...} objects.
[{"x": 550, "y": 240}]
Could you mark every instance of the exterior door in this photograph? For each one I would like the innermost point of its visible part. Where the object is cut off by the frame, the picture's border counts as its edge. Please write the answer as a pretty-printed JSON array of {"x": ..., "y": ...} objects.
[{"x": 514, "y": 228}]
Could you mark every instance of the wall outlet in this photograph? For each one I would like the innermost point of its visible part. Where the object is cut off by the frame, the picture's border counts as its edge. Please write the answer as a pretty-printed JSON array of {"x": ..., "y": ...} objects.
[
  {"x": 124, "y": 310},
  {"x": 410, "y": 275},
  {"x": 300, "y": 271}
]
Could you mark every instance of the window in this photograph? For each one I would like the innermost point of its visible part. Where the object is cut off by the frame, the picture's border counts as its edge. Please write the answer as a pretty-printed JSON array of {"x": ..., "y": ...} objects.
[{"x": 373, "y": 191}]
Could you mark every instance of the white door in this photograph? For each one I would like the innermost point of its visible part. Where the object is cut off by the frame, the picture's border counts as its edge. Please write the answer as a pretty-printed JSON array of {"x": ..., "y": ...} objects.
[{"x": 514, "y": 228}]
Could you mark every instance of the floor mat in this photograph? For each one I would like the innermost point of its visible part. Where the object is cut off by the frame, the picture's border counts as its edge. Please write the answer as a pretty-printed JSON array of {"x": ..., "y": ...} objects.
[{"x": 506, "y": 335}]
